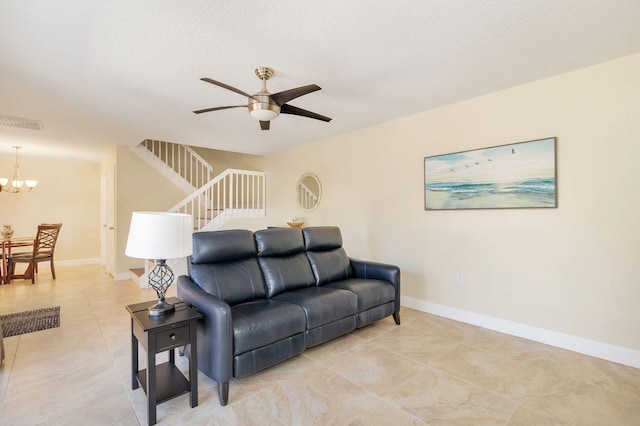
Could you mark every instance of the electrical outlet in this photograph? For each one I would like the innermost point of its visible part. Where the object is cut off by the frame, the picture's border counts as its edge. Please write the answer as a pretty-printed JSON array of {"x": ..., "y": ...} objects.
[{"x": 459, "y": 277}]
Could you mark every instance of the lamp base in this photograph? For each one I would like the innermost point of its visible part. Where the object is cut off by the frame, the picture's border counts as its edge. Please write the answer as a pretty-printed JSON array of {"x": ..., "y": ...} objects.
[{"x": 161, "y": 308}]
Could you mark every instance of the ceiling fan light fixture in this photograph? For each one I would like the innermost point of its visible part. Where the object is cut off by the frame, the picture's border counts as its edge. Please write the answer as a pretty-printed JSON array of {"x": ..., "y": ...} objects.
[
  {"x": 262, "y": 109},
  {"x": 263, "y": 106},
  {"x": 264, "y": 114}
]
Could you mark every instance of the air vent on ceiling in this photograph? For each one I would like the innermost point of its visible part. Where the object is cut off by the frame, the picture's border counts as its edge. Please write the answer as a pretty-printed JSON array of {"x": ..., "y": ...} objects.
[{"x": 25, "y": 123}]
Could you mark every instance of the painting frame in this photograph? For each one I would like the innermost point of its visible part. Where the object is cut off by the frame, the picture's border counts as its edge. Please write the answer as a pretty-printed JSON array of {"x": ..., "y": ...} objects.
[{"x": 521, "y": 175}]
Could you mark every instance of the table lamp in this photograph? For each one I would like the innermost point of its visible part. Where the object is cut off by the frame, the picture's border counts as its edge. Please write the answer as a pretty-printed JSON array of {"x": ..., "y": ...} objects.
[{"x": 160, "y": 236}]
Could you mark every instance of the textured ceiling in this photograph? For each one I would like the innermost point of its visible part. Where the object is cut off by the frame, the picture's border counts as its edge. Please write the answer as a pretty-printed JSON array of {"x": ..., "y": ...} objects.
[{"x": 98, "y": 73}]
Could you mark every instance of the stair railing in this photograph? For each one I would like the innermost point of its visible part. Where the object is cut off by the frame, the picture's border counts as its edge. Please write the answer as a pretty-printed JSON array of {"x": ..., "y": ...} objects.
[
  {"x": 182, "y": 160},
  {"x": 306, "y": 197},
  {"x": 233, "y": 193}
]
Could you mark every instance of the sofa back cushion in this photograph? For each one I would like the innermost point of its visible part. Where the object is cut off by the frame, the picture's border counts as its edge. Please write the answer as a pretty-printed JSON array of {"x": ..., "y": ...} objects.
[
  {"x": 224, "y": 264},
  {"x": 281, "y": 256},
  {"x": 329, "y": 262}
]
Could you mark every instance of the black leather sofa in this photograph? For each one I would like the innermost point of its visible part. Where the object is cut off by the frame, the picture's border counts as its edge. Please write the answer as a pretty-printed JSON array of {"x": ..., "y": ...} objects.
[{"x": 269, "y": 295}]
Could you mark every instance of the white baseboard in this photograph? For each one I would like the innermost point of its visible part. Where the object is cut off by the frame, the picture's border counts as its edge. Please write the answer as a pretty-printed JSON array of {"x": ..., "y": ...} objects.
[
  {"x": 122, "y": 276},
  {"x": 72, "y": 262},
  {"x": 581, "y": 345}
]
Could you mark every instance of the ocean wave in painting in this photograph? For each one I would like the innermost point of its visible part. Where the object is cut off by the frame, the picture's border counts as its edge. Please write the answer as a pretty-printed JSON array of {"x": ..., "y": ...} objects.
[
  {"x": 526, "y": 187},
  {"x": 518, "y": 175}
]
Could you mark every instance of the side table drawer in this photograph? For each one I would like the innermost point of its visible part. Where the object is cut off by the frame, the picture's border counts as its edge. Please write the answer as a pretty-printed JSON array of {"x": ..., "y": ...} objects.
[{"x": 172, "y": 338}]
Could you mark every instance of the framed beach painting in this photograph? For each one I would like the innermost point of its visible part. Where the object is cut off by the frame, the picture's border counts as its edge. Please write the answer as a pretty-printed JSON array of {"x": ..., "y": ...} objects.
[{"x": 519, "y": 175}]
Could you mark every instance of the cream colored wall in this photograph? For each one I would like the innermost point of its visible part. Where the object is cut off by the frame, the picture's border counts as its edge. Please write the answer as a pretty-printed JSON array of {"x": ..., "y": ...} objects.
[
  {"x": 139, "y": 187},
  {"x": 573, "y": 269},
  {"x": 223, "y": 160},
  {"x": 68, "y": 192}
]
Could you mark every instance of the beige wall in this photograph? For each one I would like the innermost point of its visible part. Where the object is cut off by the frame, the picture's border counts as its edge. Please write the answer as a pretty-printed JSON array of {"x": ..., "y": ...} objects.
[
  {"x": 139, "y": 187},
  {"x": 223, "y": 160},
  {"x": 68, "y": 192},
  {"x": 573, "y": 269}
]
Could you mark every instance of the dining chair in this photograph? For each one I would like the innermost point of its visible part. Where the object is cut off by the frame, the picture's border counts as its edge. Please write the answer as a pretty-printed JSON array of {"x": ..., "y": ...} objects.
[{"x": 43, "y": 248}]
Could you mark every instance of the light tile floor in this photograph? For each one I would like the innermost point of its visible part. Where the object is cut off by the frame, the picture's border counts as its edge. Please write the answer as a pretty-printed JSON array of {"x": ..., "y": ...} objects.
[{"x": 429, "y": 370}]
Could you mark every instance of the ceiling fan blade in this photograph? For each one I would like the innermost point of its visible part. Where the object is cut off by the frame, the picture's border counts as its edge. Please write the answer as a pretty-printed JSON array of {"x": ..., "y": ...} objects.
[
  {"x": 226, "y": 86},
  {"x": 200, "y": 111},
  {"x": 282, "y": 98},
  {"x": 264, "y": 125},
  {"x": 290, "y": 109}
]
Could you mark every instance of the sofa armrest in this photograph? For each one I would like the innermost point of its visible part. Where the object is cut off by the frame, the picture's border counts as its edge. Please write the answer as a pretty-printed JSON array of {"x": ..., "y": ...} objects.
[
  {"x": 376, "y": 271},
  {"x": 380, "y": 271},
  {"x": 215, "y": 330}
]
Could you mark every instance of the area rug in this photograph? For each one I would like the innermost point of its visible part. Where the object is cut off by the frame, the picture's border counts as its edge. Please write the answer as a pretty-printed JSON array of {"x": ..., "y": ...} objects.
[{"x": 30, "y": 321}]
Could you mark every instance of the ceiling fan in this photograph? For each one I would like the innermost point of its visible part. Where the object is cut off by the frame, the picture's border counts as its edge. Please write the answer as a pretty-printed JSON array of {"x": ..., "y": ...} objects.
[{"x": 265, "y": 106}]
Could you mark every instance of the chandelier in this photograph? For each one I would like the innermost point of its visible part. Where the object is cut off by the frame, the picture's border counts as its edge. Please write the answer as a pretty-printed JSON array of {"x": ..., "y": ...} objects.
[{"x": 16, "y": 184}]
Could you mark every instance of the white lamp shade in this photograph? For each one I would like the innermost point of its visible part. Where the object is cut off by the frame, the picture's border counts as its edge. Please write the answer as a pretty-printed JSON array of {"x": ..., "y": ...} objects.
[{"x": 160, "y": 235}]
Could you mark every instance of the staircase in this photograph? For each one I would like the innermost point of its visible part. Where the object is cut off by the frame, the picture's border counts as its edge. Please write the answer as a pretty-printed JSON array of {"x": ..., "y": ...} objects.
[
  {"x": 233, "y": 193},
  {"x": 211, "y": 202},
  {"x": 179, "y": 163}
]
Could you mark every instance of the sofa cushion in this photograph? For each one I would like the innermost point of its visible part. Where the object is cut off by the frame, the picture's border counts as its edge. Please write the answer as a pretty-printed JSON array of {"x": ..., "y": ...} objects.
[
  {"x": 320, "y": 238},
  {"x": 279, "y": 241},
  {"x": 286, "y": 274},
  {"x": 222, "y": 246},
  {"x": 322, "y": 305},
  {"x": 233, "y": 282},
  {"x": 224, "y": 264},
  {"x": 328, "y": 266},
  {"x": 262, "y": 322},
  {"x": 284, "y": 265},
  {"x": 329, "y": 262},
  {"x": 370, "y": 293}
]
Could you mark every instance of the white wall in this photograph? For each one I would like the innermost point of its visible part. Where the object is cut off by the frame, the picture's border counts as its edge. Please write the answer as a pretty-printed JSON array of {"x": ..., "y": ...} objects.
[{"x": 572, "y": 270}]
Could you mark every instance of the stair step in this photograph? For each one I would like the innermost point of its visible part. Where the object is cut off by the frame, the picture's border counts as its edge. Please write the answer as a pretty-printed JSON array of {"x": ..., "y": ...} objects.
[
  {"x": 203, "y": 219},
  {"x": 136, "y": 274},
  {"x": 137, "y": 271}
]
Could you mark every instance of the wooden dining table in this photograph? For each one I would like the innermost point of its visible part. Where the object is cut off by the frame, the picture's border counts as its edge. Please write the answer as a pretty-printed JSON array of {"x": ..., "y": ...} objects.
[{"x": 7, "y": 245}]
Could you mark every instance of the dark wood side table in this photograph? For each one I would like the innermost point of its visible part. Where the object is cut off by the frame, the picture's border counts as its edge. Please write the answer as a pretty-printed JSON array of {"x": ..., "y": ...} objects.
[{"x": 158, "y": 334}]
